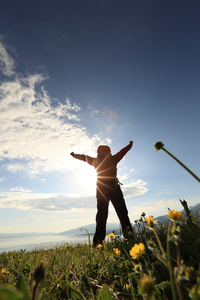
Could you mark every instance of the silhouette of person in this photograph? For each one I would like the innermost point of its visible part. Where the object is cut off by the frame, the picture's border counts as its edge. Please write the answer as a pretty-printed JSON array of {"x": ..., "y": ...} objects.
[{"x": 108, "y": 188}]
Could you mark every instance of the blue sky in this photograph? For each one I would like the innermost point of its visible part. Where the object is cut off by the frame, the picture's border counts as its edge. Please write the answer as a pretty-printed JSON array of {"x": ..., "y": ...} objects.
[{"x": 76, "y": 74}]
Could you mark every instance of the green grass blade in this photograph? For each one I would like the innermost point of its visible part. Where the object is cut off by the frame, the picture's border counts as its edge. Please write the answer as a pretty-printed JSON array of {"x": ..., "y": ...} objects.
[
  {"x": 21, "y": 286},
  {"x": 104, "y": 293},
  {"x": 7, "y": 293}
]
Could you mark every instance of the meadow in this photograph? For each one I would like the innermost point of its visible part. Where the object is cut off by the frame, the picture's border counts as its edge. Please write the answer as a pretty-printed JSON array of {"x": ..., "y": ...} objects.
[{"x": 158, "y": 261}]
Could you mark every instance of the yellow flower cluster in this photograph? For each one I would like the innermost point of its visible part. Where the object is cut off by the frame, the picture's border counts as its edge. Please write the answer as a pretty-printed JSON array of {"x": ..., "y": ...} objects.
[
  {"x": 111, "y": 235},
  {"x": 100, "y": 246},
  {"x": 175, "y": 215},
  {"x": 4, "y": 271},
  {"x": 128, "y": 287},
  {"x": 117, "y": 251},
  {"x": 151, "y": 222},
  {"x": 149, "y": 219},
  {"x": 137, "y": 250}
]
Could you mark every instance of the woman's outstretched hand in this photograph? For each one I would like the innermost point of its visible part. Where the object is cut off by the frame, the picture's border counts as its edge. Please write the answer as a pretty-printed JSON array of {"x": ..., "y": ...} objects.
[{"x": 131, "y": 142}]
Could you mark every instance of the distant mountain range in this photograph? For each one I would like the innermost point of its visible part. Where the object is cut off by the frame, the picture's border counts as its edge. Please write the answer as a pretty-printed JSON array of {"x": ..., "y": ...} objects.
[
  {"x": 80, "y": 231},
  {"x": 116, "y": 226},
  {"x": 110, "y": 227}
]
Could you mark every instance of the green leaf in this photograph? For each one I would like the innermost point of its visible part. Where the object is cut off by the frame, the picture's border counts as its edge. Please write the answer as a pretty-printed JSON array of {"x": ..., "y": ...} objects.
[
  {"x": 76, "y": 293},
  {"x": 195, "y": 295},
  {"x": 7, "y": 293},
  {"x": 194, "y": 228},
  {"x": 23, "y": 288},
  {"x": 104, "y": 293}
]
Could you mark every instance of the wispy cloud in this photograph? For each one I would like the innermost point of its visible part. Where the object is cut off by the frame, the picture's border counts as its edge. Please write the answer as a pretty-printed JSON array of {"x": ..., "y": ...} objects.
[
  {"x": 135, "y": 188},
  {"x": 37, "y": 132},
  {"x": 131, "y": 187},
  {"x": 25, "y": 200},
  {"x": 2, "y": 179},
  {"x": 20, "y": 189},
  {"x": 7, "y": 63}
]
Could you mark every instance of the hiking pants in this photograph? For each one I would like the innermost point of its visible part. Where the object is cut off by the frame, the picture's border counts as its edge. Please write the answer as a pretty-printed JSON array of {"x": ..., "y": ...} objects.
[{"x": 104, "y": 194}]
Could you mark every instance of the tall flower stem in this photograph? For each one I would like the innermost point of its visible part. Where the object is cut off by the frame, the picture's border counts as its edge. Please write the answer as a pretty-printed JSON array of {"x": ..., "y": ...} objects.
[
  {"x": 160, "y": 145},
  {"x": 171, "y": 271},
  {"x": 159, "y": 243}
]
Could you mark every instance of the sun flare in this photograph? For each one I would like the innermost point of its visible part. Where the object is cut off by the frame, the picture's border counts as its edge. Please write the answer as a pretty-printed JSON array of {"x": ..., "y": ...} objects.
[{"x": 86, "y": 179}]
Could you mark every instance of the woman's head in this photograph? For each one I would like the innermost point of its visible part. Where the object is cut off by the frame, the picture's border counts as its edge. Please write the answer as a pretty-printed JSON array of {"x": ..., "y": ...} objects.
[{"x": 103, "y": 150}]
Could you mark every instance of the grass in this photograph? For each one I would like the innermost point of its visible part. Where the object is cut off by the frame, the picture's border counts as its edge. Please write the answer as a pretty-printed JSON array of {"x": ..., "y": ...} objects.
[{"x": 160, "y": 261}]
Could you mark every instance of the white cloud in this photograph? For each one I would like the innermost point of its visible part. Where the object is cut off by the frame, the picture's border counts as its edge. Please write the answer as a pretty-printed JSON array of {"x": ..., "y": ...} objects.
[
  {"x": 134, "y": 188},
  {"x": 25, "y": 200},
  {"x": 20, "y": 189},
  {"x": 14, "y": 167},
  {"x": 36, "y": 132},
  {"x": 131, "y": 187},
  {"x": 94, "y": 112},
  {"x": 7, "y": 63},
  {"x": 2, "y": 179}
]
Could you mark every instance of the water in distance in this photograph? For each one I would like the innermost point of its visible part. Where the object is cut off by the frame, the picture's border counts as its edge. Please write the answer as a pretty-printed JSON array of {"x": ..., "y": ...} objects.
[{"x": 34, "y": 242}]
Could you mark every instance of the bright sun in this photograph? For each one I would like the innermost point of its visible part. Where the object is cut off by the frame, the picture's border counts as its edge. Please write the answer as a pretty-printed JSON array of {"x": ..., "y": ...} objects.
[{"x": 86, "y": 179}]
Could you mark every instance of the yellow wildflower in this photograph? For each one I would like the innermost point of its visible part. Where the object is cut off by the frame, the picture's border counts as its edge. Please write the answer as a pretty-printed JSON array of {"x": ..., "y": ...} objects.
[
  {"x": 150, "y": 219},
  {"x": 147, "y": 285},
  {"x": 151, "y": 222},
  {"x": 137, "y": 250},
  {"x": 117, "y": 251},
  {"x": 4, "y": 271},
  {"x": 111, "y": 235},
  {"x": 128, "y": 286},
  {"x": 100, "y": 246},
  {"x": 175, "y": 215}
]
